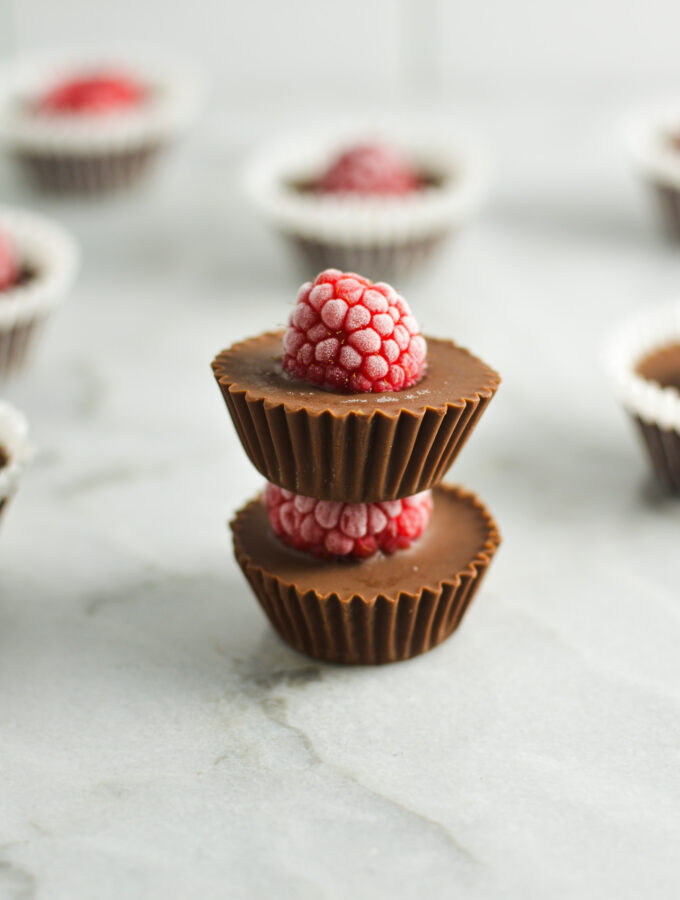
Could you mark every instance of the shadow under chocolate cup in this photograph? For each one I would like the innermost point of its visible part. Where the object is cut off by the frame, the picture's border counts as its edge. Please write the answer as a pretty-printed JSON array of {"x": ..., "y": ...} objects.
[
  {"x": 376, "y": 610},
  {"x": 13, "y": 451},
  {"x": 644, "y": 362},
  {"x": 358, "y": 448}
]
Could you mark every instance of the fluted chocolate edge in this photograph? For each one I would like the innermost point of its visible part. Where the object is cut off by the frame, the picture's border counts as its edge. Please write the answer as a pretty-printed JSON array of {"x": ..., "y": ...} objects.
[
  {"x": 16, "y": 345},
  {"x": 368, "y": 630},
  {"x": 663, "y": 447},
  {"x": 381, "y": 262},
  {"x": 63, "y": 173},
  {"x": 352, "y": 456}
]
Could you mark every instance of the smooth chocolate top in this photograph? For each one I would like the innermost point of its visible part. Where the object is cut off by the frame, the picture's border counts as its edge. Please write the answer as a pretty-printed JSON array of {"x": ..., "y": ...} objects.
[
  {"x": 453, "y": 375},
  {"x": 662, "y": 366},
  {"x": 460, "y": 532}
]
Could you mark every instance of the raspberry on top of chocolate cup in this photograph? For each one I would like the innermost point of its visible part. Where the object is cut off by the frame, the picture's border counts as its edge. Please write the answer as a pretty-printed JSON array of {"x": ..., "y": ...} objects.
[
  {"x": 356, "y": 447},
  {"x": 349, "y": 335},
  {"x": 92, "y": 93},
  {"x": 370, "y": 169}
]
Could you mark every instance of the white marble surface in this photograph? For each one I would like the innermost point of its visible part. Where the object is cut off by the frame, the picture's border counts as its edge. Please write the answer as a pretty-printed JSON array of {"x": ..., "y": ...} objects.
[{"x": 158, "y": 740}]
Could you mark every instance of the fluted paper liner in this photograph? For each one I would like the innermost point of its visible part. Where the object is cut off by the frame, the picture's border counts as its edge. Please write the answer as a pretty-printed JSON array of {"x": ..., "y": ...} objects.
[
  {"x": 51, "y": 256},
  {"x": 356, "y": 448},
  {"x": 378, "y": 610},
  {"x": 394, "y": 262},
  {"x": 654, "y": 409},
  {"x": 63, "y": 173},
  {"x": 663, "y": 446}
]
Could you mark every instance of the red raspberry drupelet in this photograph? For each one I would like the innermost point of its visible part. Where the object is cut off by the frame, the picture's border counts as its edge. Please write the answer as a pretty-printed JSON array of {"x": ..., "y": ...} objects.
[
  {"x": 334, "y": 529},
  {"x": 9, "y": 269},
  {"x": 99, "y": 92},
  {"x": 349, "y": 335},
  {"x": 371, "y": 169}
]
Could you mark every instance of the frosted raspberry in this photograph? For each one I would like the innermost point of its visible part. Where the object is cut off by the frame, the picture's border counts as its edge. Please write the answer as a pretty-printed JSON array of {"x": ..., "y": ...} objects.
[
  {"x": 98, "y": 92},
  {"x": 9, "y": 269},
  {"x": 330, "y": 529},
  {"x": 349, "y": 335},
  {"x": 371, "y": 169}
]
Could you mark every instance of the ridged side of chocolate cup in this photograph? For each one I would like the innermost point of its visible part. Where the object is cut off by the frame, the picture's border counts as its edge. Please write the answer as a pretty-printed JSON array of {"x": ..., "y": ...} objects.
[
  {"x": 87, "y": 174},
  {"x": 359, "y": 449},
  {"x": 16, "y": 344},
  {"x": 386, "y": 626},
  {"x": 663, "y": 447},
  {"x": 380, "y": 262}
]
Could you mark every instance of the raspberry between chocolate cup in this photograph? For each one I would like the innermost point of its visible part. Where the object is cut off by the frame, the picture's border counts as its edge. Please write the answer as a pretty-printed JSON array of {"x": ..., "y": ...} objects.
[
  {"x": 334, "y": 611},
  {"x": 358, "y": 448}
]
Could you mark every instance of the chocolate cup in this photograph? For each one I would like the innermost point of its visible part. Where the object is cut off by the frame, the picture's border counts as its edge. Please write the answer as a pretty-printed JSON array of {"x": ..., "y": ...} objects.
[
  {"x": 358, "y": 448},
  {"x": 65, "y": 173},
  {"x": 381, "y": 262},
  {"x": 663, "y": 447},
  {"x": 16, "y": 345},
  {"x": 376, "y": 610}
]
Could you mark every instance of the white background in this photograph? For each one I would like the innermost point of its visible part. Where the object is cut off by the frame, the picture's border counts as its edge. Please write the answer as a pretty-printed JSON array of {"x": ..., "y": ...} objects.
[
  {"x": 156, "y": 739},
  {"x": 372, "y": 50}
]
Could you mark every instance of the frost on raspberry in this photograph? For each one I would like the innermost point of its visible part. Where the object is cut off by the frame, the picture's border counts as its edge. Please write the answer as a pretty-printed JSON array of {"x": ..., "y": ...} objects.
[
  {"x": 349, "y": 335},
  {"x": 371, "y": 169},
  {"x": 96, "y": 92},
  {"x": 9, "y": 267},
  {"x": 353, "y": 530}
]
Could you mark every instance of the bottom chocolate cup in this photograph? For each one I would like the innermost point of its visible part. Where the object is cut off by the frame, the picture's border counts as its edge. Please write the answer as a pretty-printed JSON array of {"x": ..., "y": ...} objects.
[
  {"x": 663, "y": 447},
  {"x": 390, "y": 262},
  {"x": 377, "y": 610},
  {"x": 87, "y": 174}
]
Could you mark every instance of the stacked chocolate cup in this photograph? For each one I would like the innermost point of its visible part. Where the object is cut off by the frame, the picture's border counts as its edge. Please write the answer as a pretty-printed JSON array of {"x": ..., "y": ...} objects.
[{"x": 360, "y": 449}]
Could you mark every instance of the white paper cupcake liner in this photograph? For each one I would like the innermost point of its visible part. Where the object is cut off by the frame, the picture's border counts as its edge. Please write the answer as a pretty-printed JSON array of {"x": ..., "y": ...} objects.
[
  {"x": 51, "y": 257},
  {"x": 641, "y": 335},
  {"x": 173, "y": 103},
  {"x": 13, "y": 440},
  {"x": 353, "y": 221}
]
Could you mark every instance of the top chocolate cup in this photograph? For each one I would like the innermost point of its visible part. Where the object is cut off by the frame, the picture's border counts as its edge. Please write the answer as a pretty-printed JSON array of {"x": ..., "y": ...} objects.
[{"x": 358, "y": 448}]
